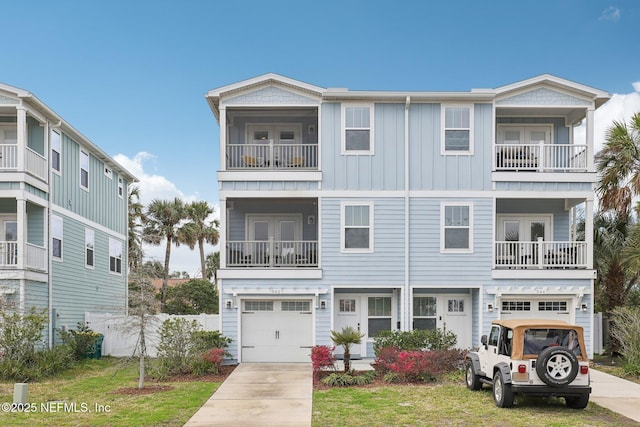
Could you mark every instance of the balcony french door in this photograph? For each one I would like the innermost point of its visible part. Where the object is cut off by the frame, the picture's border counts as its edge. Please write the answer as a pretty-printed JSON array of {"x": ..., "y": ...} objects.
[
  {"x": 521, "y": 235},
  {"x": 274, "y": 238}
]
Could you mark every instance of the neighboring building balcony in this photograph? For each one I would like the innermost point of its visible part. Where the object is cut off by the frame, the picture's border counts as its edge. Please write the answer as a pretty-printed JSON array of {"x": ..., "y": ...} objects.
[
  {"x": 35, "y": 257},
  {"x": 541, "y": 255},
  {"x": 272, "y": 155},
  {"x": 541, "y": 157},
  {"x": 34, "y": 163},
  {"x": 272, "y": 254}
]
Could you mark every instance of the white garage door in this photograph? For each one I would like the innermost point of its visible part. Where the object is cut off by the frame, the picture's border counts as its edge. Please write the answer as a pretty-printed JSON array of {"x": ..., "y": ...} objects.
[
  {"x": 531, "y": 308},
  {"x": 276, "y": 331}
]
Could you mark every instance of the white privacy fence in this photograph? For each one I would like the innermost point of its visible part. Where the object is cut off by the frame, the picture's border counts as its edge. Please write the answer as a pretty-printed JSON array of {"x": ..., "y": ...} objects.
[{"x": 121, "y": 332}]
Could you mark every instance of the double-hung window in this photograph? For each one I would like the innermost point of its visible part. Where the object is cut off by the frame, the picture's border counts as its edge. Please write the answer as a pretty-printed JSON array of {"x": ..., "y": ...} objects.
[
  {"x": 120, "y": 188},
  {"x": 357, "y": 129},
  {"x": 56, "y": 237},
  {"x": 56, "y": 150},
  {"x": 357, "y": 227},
  {"x": 457, "y": 132},
  {"x": 379, "y": 315},
  {"x": 456, "y": 231},
  {"x": 115, "y": 256},
  {"x": 84, "y": 170},
  {"x": 89, "y": 243}
]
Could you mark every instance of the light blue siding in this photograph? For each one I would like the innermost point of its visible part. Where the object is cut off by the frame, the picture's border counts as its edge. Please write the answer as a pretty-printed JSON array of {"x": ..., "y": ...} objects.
[{"x": 542, "y": 96}]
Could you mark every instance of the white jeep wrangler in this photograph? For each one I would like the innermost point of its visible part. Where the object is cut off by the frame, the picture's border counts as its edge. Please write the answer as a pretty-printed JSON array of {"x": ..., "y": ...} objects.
[{"x": 531, "y": 357}]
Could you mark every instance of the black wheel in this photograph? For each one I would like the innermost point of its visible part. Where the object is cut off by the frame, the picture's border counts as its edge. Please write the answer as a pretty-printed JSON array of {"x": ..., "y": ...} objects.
[
  {"x": 557, "y": 366},
  {"x": 502, "y": 394},
  {"x": 473, "y": 380},
  {"x": 578, "y": 402}
]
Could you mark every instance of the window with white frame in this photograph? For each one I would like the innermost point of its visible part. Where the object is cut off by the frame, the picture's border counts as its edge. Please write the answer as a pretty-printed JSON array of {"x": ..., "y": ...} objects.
[
  {"x": 84, "y": 170},
  {"x": 425, "y": 311},
  {"x": 457, "y": 132},
  {"x": 457, "y": 235},
  {"x": 115, "y": 256},
  {"x": 379, "y": 315},
  {"x": 120, "y": 188},
  {"x": 89, "y": 244},
  {"x": 357, "y": 129},
  {"x": 56, "y": 150},
  {"x": 108, "y": 172},
  {"x": 357, "y": 227},
  {"x": 56, "y": 237}
]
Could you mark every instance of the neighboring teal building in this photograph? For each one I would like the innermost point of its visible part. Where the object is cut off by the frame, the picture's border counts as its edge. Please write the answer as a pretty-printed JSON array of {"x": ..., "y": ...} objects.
[
  {"x": 400, "y": 210},
  {"x": 63, "y": 216}
]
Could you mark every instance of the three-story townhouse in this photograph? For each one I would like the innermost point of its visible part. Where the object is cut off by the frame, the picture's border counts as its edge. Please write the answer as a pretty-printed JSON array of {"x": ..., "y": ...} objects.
[
  {"x": 400, "y": 210},
  {"x": 63, "y": 217}
]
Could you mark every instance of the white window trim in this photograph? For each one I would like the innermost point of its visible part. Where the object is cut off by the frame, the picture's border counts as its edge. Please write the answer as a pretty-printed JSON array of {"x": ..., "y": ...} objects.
[
  {"x": 89, "y": 232},
  {"x": 108, "y": 172},
  {"x": 82, "y": 152},
  {"x": 121, "y": 188},
  {"x": 343, "y": 128},
  {"x": 366, "y": 312},
  {"x": 442, "y": 228},
  {"x": 343, "y": 249},
  {"x": 54, "y": 219},
  {"x": 443, "y": 150},
  {"x": 59, "y": 151},
  {"x": 113, "y": 241}
]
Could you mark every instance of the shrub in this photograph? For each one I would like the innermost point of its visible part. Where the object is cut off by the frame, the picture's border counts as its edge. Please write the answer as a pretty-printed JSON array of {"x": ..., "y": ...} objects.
[
  {"x": 208, "y": 362},
  {"x": 82, "y": 341},
  {"x": 417, "y": 339},
  {"x": 626, "y": 329},
  {"x": 205, "y": 340},
  {"x": 344, "y": 379},
  {"x": 175, "y": 347},
  {"x": 321, "y": 358},
  {"x": 416, "y": 365},
  {"x": 20, "y": 335}
]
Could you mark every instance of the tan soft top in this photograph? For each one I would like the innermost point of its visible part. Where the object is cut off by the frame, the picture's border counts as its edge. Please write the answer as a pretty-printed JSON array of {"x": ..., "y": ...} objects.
[{"x": 520, "y": 325}]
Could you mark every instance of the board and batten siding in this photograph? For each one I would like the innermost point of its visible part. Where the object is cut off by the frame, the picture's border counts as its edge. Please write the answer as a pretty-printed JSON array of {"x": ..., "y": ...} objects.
[
  {"x": 385, "y": 266},
  {"x": 77, "y": 289},
  {"x": 428, "y": 265},
  {"x": 429, "y": 169},
  {"x": 100, "y": 203},
  {"x": 36, "y": 295}
]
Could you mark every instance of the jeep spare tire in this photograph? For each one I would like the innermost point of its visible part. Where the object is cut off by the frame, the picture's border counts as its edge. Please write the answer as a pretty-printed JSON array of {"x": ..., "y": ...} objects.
[{"x": 557, "y": 366}]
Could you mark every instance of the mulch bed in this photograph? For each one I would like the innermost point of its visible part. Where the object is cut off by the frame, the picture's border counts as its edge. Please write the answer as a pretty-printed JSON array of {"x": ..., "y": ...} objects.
[{"x": 154, "y": 386}]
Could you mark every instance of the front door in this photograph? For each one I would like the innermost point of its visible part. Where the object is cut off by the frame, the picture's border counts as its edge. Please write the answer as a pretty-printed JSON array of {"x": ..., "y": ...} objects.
[
  {"x": 447, "y": 312},
  {"x": 349, "y": 313}
]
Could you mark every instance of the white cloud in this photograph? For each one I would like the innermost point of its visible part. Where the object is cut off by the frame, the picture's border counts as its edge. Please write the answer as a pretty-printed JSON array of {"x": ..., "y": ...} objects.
[
  {"x": 610, "y": 14},
  {"x": 619, "y": 108},
  {"x": 152, "y": 187}
]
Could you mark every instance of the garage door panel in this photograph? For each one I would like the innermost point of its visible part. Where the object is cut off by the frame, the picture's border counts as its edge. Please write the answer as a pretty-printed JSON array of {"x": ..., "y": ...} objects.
[{"x": 536, "y": 308}]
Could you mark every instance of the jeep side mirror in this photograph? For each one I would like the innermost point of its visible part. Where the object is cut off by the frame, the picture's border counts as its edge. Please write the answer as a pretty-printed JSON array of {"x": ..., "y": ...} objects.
[{"x": 483, "y": 340}]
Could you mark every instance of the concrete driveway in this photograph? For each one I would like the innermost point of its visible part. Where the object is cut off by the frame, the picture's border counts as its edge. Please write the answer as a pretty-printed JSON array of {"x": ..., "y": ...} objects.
[
  {"x": 260, "y": 394},
  {"x": 614, "y": 393}
]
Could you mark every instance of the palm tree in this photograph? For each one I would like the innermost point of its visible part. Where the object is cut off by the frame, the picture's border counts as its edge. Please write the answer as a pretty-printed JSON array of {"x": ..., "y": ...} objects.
[
  {"x": 618, "y": 164},
  {"x": 213, "y": 265},
  {"x": 136, "y": 218},
  {"x": 199, "y": 230},
  {"x": 346, "y": 338},
  {"x": 163, "y": 220}
]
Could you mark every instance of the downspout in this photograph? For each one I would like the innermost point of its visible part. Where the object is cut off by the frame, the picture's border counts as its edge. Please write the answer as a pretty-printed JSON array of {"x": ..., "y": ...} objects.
[
  {"x": 407, "y": 292},
  {"x": 47, "y": 243}
]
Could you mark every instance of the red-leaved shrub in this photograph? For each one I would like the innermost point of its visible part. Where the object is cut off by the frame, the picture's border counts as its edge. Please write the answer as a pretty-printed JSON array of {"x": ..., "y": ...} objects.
[
  {"x": 417, "y": 365},
  {"x": 214, "y": 356},
  {"x": 322, "y": 357}
]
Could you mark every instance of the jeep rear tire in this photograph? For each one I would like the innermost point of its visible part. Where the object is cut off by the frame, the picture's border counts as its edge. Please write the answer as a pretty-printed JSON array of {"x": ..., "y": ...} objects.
[
  {"x": 473, "y": 380},
  {"x": 577, "y": 402},
  {"x": 557, "y": 366},
  {"x": 502, "y": 393}
]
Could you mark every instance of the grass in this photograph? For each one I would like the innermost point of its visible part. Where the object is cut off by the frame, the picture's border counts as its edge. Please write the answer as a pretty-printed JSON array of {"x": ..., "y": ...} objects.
[
  {"x": 447, "y": 404},
  {"x": 95, "y": 382}
]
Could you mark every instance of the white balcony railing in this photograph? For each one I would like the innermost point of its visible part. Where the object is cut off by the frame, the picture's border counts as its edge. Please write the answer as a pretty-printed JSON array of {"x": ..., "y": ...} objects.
[
  {"x": 541, "y": 255},
  {"x": 8, "y": 254},
  {"x": 36, "y": 257},
  {"x": 272, "y": 253},
  {"x": 8, "y": 157},
  {"x": 541, "y": 157},
  {"x": 35, "y": 164},
  {"x": 269, "y": 155}
]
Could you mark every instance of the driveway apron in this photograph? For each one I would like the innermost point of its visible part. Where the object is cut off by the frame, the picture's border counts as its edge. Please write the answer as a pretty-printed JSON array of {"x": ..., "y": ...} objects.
[
  {"x": 260, "y": 394},
  {"x": 616, "y": 394}
]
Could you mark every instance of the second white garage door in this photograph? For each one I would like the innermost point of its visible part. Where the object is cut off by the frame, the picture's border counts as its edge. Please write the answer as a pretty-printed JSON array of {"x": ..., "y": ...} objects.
[
  {"x": 276, "y": 331},
  {"x": 536, "y": 308}
]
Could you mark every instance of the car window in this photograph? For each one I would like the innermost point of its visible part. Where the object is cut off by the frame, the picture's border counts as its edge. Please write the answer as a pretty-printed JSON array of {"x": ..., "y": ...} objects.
[
  {"x": 536, "y": 340},
  {"x": 493, "y": 337}
]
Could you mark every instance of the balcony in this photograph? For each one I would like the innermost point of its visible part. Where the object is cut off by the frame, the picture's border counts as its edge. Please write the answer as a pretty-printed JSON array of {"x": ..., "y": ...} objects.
[
  {"x": 541, "y": 157},
  {"x": 10, "y": 252},
  {"x": 272, "y": 254},
  {"x": 267, "y": 155},
  {"x": 540, "y": 255}
]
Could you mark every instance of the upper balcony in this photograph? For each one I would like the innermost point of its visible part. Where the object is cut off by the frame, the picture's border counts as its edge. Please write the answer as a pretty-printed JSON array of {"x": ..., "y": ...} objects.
[
  {"x": 23, "y": 243},
  {"x": 23, "y": 151},
  {"x": 541, "y": 157},
  {"x": 271, "y": 139}
]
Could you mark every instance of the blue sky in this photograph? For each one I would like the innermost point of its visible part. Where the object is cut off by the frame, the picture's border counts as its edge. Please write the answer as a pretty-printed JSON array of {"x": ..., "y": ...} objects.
[{"x": 131, "y": 75}]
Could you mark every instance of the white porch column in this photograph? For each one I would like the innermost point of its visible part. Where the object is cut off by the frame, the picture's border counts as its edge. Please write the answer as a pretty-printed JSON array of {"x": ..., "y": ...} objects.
[
  {"x": 590, "y": 138},
  {"x": 222, "y": 240},
  {"x": 21, "y": 215},
  {"x": 223, "y": 140},
  {"x": 22, "y": 136},
  {"x": 588, "y": 231}
]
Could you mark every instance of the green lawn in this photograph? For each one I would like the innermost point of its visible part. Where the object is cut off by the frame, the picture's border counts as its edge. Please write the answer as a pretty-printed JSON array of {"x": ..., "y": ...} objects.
[{"x": 89, "y": 394}]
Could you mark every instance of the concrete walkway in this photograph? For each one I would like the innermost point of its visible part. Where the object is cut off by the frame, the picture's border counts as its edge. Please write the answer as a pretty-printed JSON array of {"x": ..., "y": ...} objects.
[
  {"x": 260, "y": 394},
  {"x": 616, "y": 394}
]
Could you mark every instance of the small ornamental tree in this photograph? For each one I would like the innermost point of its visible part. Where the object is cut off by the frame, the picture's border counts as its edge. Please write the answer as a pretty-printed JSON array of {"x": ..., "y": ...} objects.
[{"x": 346, "y": 338}]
